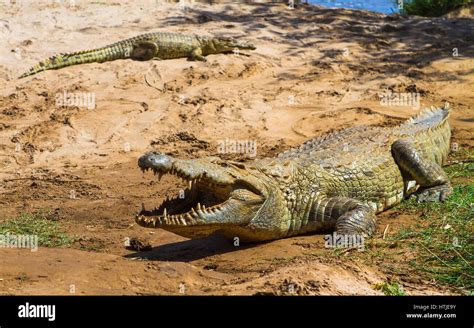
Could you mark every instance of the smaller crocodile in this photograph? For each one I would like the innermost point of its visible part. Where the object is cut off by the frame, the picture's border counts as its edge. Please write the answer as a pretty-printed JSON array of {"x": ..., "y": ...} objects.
[{"x": 157, "y": 45}]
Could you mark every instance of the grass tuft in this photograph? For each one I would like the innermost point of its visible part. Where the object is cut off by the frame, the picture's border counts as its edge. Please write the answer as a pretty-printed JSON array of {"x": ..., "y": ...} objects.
[
  {"x": 390, "y": 288},
  {"x": 48, "y": 231},
  {"x": 444, "y": 241}
]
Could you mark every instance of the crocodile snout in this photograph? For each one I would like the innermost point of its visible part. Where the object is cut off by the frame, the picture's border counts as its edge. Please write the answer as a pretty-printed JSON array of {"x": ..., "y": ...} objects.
[{"x": 155, "y": 160}]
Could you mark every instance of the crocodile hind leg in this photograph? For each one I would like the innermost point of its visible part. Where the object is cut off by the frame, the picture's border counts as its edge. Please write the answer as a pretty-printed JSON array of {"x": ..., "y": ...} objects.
[
  {"x": 196, "y": 54},
  {"x": 349, "y": 216},
  {"x": 144, "y": 50},
  {"x": 428, "y": 174}
]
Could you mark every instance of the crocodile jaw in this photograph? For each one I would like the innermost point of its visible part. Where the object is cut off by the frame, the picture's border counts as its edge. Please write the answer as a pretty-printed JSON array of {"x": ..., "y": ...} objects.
[{"x": 216, "y": 197}]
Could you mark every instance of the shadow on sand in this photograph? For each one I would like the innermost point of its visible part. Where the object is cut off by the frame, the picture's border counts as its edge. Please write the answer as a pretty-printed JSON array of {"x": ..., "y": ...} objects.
[
  {"x": 393, "y": 44},
  {"x": 190, "y": 250}
]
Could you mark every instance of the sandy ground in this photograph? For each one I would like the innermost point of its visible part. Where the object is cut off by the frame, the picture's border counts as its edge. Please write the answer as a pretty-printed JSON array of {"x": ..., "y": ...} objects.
[{"x": 315, "y": 70}]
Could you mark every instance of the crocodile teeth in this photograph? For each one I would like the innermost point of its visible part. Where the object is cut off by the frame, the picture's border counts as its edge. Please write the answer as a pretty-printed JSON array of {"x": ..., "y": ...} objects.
[
  {"x": 198, "y": 206},
  {"x": 190, "y": 184},
  {"x": 164, "y": 213}
]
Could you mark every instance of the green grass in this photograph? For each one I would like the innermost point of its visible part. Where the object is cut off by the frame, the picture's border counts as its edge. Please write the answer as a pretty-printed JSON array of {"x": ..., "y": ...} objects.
[
  {"x": 444, "y": 240},
  {"x": 460, "y": 170},
  {"x": 390, "y": 288},
  {"x": 430, "y": 8},
  {"x": 48, "y": 231},
  {"x": 462, "y": 164}
]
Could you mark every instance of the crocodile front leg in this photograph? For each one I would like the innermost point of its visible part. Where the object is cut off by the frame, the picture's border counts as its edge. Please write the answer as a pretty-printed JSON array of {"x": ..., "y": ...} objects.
[
  {"x": 428, "y": 174},
  {"x": 144, "y": 50},
  {"x": 349, "y": 216}
]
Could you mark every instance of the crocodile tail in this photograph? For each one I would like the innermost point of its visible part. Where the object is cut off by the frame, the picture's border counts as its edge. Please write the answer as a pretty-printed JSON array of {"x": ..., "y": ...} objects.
[
  {"x": 429, "y": 119},
  {"x": 432, "y": 131},
  {"x": 119, "y": 50}
]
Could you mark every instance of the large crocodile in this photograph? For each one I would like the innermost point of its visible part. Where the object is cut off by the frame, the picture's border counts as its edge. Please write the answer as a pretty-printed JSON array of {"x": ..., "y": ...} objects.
[
  {"x": 157, "y": 45},
  {"x": 335, "y": 182}
]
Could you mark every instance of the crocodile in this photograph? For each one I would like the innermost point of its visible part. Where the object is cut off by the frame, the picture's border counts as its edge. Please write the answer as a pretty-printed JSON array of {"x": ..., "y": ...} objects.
[
  {"x": 157, "y": 45},
  {"x": 334, "y": 183}
]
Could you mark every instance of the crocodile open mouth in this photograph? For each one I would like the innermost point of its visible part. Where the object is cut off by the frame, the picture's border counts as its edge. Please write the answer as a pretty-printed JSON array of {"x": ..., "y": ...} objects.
[
  {"x": 202, "y": 201},
  {"x": 199, "y": 197}
]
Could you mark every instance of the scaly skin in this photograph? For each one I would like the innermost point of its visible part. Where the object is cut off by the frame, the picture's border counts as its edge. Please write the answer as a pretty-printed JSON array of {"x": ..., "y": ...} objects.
[
  {"x": 336, "y": 182},
  {"x": 158, "y": 45}
]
